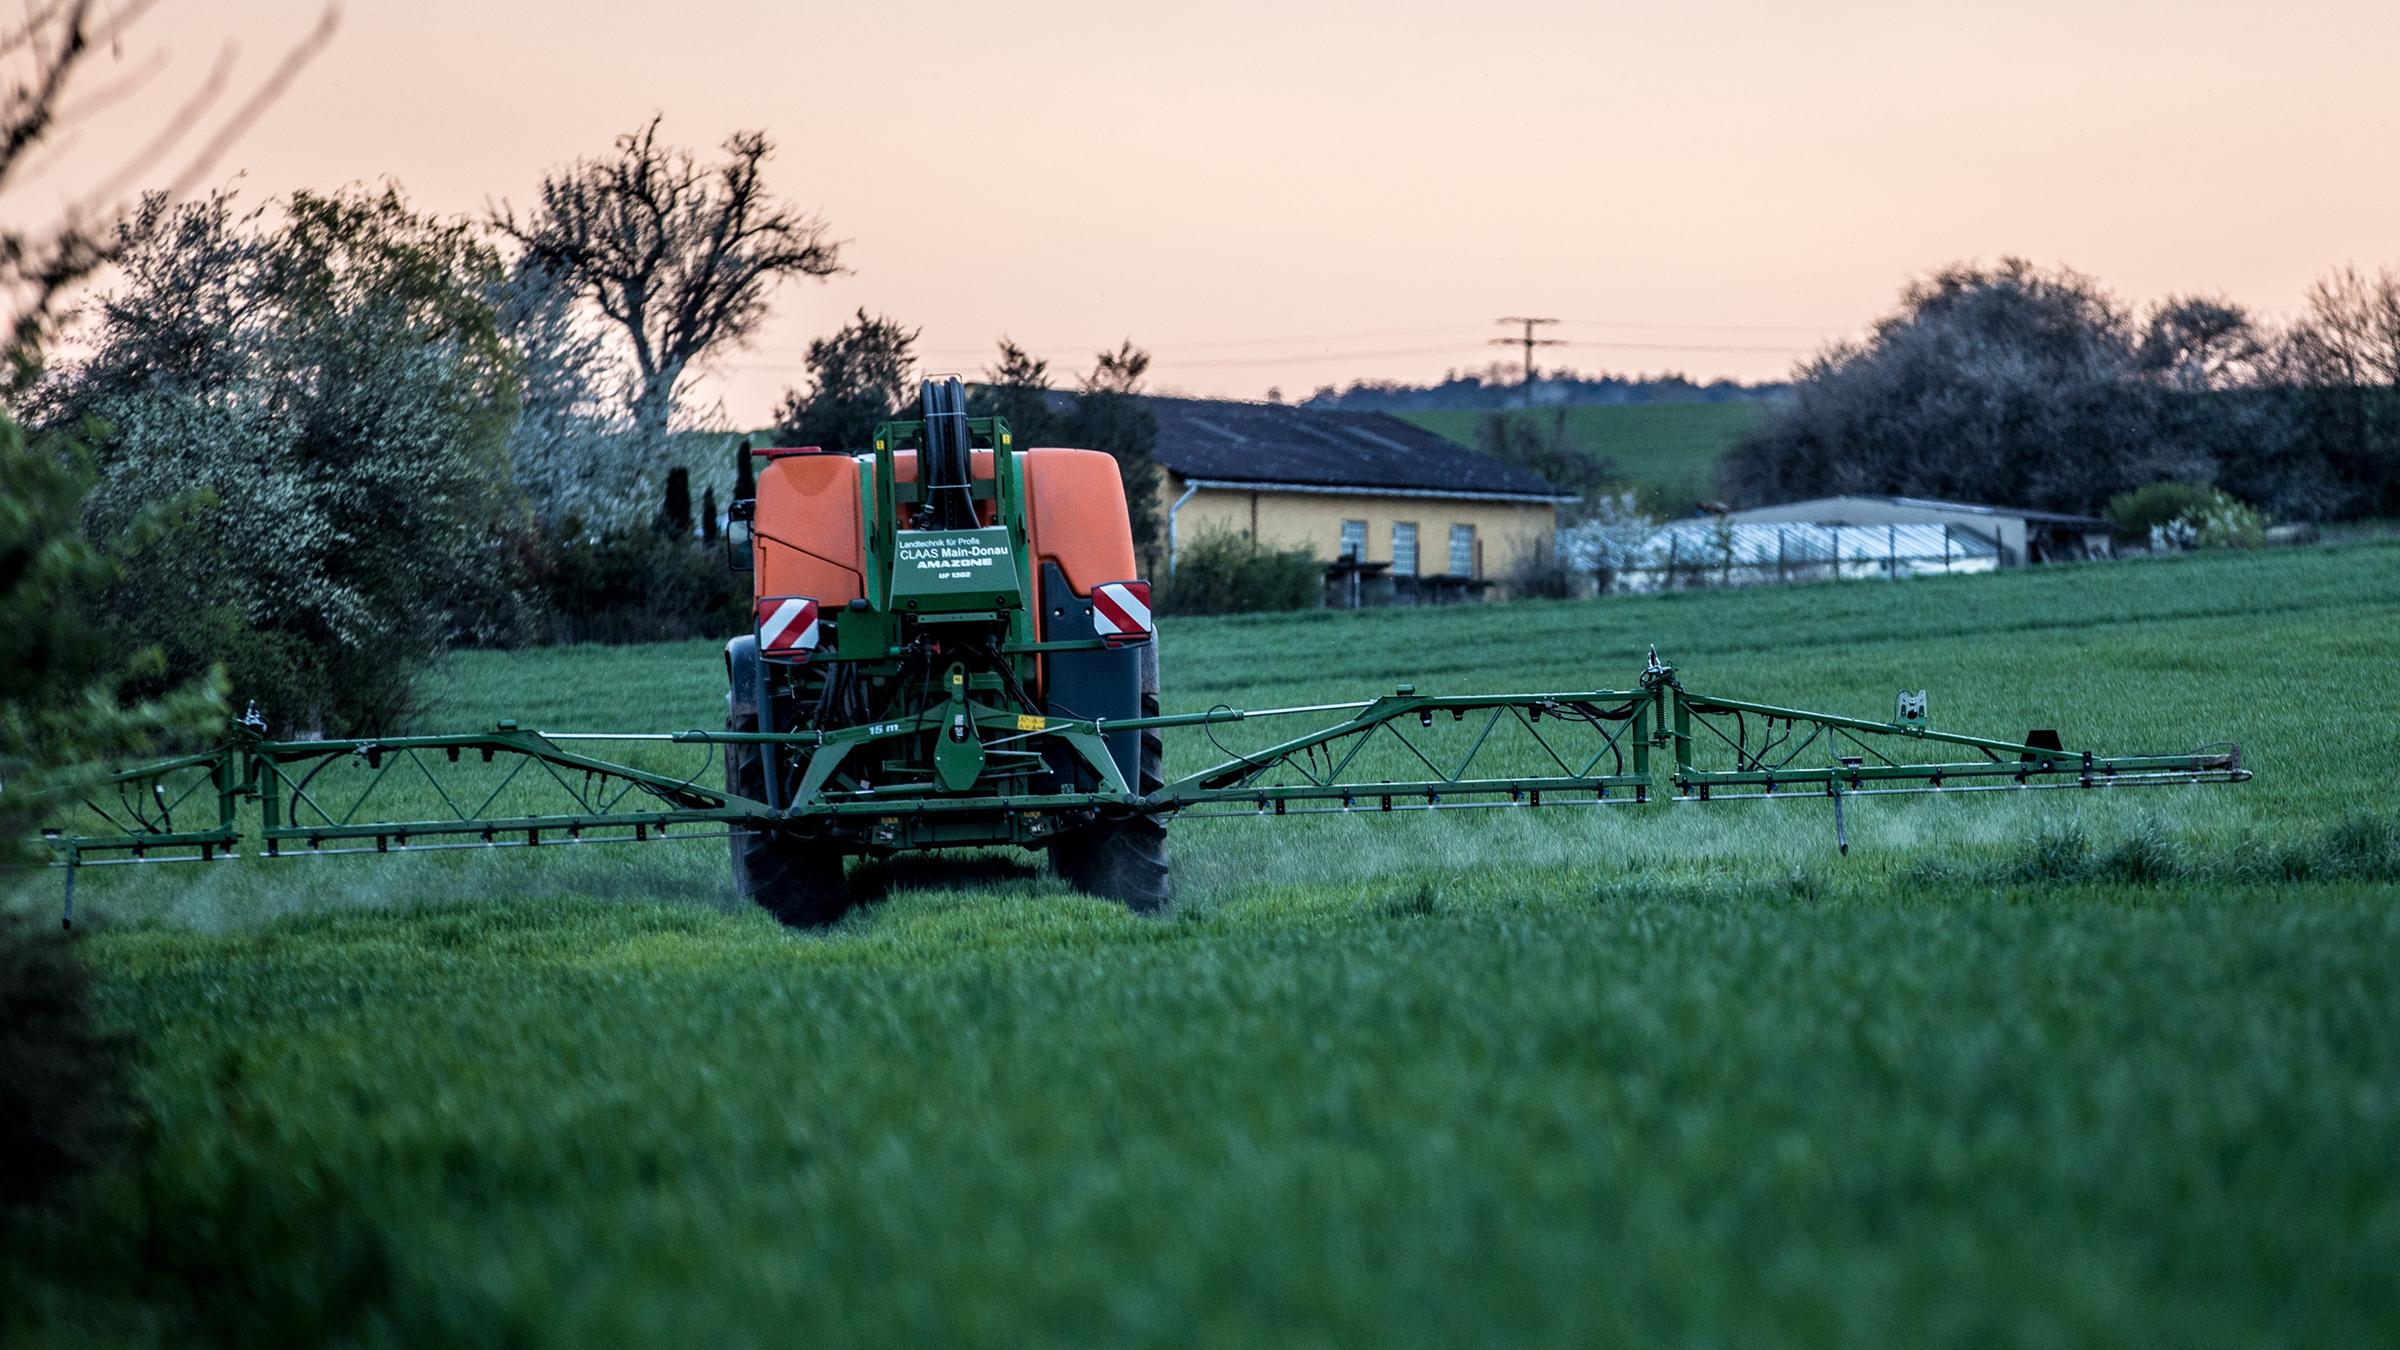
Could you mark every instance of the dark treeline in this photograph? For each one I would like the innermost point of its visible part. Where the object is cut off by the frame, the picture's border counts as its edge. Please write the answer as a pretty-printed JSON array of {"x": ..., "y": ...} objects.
[
  {"x": 1503, "y": 386},
  {"x": 2019, "y": 385}
]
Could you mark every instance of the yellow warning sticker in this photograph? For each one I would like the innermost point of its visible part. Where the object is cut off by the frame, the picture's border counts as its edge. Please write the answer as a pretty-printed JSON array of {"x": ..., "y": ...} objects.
[{"x": 1028, "y": 722}]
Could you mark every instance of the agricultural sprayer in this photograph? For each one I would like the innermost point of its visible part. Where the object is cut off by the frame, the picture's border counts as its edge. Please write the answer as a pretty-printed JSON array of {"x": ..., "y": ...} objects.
[{"x": 952, "y": 649}]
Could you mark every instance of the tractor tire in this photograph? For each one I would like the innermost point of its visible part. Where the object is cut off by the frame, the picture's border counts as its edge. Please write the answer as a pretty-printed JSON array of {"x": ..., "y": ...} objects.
[
  {"x": 797, "y": 882},
  {"x": 1125, "y": 860}
]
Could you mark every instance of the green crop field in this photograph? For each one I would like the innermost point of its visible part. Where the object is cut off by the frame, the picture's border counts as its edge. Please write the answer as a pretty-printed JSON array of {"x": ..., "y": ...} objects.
[
  {"x": 1667, "y": 451},
  {"x": 2046, "y": 1069}
]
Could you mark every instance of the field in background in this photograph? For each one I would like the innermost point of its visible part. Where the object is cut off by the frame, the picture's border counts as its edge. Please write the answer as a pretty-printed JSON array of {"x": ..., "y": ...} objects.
[
  {"x": 1668, "y": 451},
  {"x": 2074, "y": 1068}
]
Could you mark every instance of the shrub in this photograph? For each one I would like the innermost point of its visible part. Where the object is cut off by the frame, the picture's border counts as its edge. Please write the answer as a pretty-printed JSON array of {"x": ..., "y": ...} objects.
[
  {"x": 336, "y": 381},
  {"x": 1220, "y": 572},
  {"x": 1544, "y": 574},
  {"x": 2185, "y": 516},
  {"x": 2137, "y": 512},
  {"x": 636, "y": 586}
]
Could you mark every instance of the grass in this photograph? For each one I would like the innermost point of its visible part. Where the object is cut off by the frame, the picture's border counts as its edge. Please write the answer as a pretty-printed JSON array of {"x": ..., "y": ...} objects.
[
  {"x": 2113, "y": 1068},
  {"x": 1668, "y": 452}
]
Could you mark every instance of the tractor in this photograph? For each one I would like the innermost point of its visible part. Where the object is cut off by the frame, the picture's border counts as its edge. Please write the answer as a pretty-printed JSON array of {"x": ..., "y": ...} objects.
[{"x": 947, "y": 570}]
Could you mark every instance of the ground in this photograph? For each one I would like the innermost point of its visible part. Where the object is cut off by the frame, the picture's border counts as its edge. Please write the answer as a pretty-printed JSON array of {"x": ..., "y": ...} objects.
[
  {"x": 2049, "y": 1069},
  {"x": 1667, "y": 452}
]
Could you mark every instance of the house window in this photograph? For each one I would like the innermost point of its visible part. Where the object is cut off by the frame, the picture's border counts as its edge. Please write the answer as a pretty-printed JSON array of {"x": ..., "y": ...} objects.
[
  {"x": 1354, "y": 539},
  {"x": 1404, "y": 548},
  {"x": 1462, "y": 550}
]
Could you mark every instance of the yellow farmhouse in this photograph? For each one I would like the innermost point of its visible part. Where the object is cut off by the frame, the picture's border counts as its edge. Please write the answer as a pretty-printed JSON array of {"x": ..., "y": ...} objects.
[{"x": 1396, "y": 513}]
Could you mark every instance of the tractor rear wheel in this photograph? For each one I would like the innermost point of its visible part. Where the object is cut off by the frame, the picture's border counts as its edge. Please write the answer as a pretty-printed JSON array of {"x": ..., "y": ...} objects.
[
  {"x": 798, "y": 882},
  {"x": 1125, "y": 860}
]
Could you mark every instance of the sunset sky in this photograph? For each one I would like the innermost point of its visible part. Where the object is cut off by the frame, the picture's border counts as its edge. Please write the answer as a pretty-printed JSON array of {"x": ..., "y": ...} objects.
[{"x": 1290, "y": 194}]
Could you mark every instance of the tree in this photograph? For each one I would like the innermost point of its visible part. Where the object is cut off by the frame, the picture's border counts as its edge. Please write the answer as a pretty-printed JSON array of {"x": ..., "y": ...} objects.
[
  {"x": 2223, "y": 399},
  {"x": 1549, "y": 452},
  {"x": 2342, "y": 363},
  {"x": 2008, "y": 384},
  {"x": 675, "y": 514},
  {"x": 1118, "y": 372},
  {"x": 1109, "y": 416},
  {"x": 679, "y": 257},
  {"x": 1612, "y": 538},
  {"x": 337, "y": 381},
  {"x": 571, "y": 451},
  {"x": 860, "y": 377},
  {"x": 1017, "y": 388},
  {"x": 2351, "y": 333},
  {"x": 2194, "y": 343}
]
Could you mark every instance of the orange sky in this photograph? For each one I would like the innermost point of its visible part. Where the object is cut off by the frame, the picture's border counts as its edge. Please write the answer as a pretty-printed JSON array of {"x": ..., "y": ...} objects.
[{"x": 1286, "y": 194}]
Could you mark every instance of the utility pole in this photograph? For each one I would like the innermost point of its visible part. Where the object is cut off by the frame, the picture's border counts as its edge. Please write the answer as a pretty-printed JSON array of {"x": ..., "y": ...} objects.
[{"x": 1529, "y": 342}]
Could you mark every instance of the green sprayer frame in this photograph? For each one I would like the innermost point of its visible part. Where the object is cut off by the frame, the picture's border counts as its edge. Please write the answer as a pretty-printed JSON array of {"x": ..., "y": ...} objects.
[{"x": 514, "y": 787}]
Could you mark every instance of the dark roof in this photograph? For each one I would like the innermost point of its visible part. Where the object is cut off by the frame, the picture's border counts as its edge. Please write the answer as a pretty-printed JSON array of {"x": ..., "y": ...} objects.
[{"x": 1275, "y": 443}]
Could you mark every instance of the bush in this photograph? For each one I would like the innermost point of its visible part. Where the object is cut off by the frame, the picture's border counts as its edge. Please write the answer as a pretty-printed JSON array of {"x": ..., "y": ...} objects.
[
  {"x": 333, "y": 380},
  {"x": 1220, "y": 572},
  {"x": 2137, "y": 512},
  {"x": 636, "y": 586},
  {"x": 1544, "y": 574},
  {"x": 2185, "y": 516}
]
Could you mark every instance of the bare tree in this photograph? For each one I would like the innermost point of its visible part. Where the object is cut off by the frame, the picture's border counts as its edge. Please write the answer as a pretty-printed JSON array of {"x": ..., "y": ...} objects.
[
  {"x": 2350, "y": 336},
  {"x": 2343, "y": 356},
  {"x": 679, "y": 256}
]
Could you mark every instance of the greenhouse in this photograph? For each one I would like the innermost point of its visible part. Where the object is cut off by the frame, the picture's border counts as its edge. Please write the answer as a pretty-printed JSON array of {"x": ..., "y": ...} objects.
[{"x": 1716, "y": 552}]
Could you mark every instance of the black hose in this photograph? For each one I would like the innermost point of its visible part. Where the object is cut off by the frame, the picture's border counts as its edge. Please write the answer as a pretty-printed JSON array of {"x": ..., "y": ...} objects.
[{"x": 945, "y": 464}]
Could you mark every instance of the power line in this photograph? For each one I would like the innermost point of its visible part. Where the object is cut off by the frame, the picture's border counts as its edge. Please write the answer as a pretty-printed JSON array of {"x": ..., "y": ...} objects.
[
  {"x": 1785, "y": 349},
  {"x": 1715, "y": 327},
  {"x": 1301, "y": 357}
]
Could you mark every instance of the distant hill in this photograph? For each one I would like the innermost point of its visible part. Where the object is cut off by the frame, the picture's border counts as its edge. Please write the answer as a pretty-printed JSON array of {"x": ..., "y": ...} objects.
[
  {"x": 1666, "y": 451},
  {"x": 1494, "y": 390}
]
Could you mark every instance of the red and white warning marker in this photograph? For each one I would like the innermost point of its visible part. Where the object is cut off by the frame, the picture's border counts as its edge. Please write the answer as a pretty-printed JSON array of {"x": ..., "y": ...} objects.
[
  {"x": 787, "y": 626},
  {"x": 1121, "y": 611}
]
